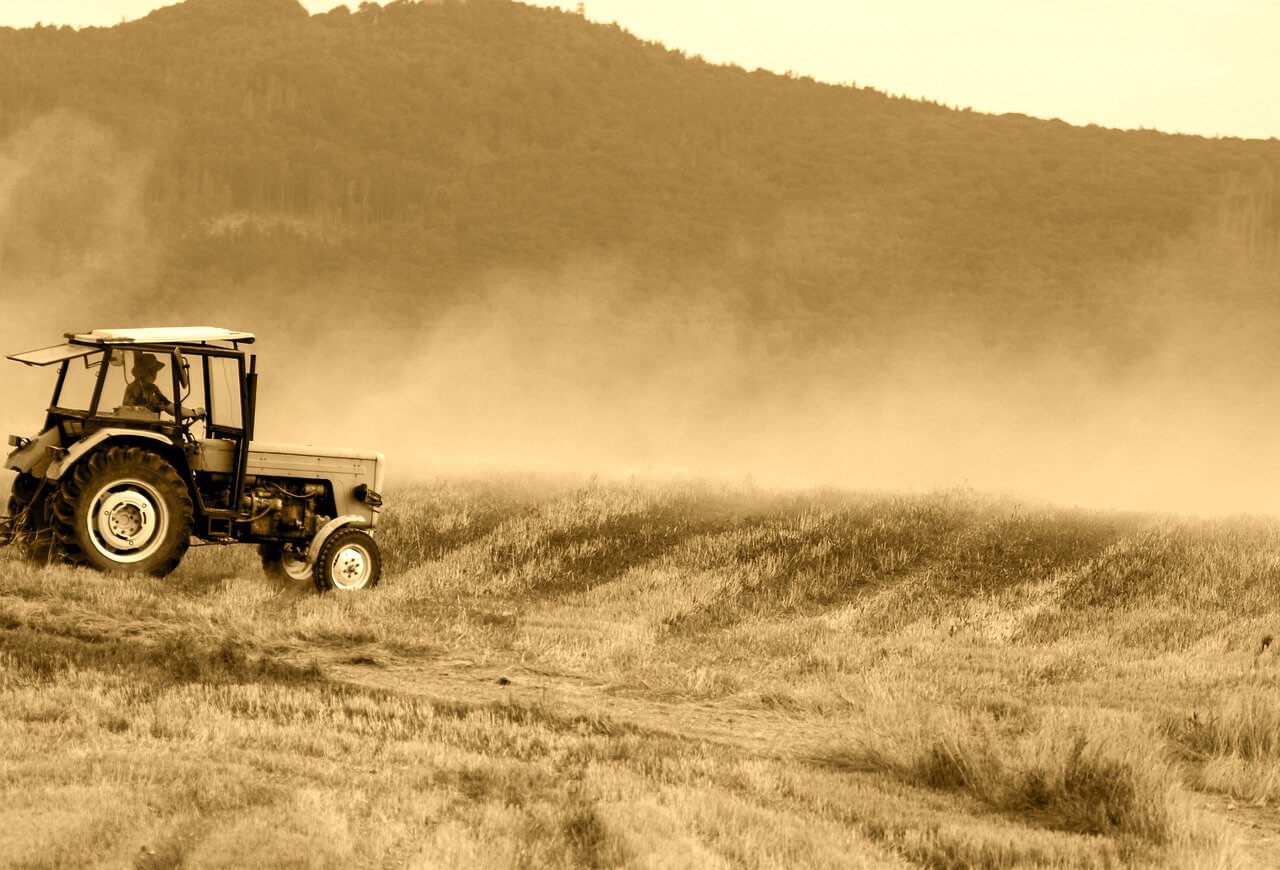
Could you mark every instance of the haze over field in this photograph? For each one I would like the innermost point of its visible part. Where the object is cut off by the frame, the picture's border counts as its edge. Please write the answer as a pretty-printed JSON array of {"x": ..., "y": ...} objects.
[{"x": 487, "y": 232}]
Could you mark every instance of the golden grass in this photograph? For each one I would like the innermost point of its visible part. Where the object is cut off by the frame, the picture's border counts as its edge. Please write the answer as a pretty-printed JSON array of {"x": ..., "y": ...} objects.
[
  {"x": 1076, "y": 773},
  {"x": 1236, "y": 743},
  {"x": 657, "y": 674}
]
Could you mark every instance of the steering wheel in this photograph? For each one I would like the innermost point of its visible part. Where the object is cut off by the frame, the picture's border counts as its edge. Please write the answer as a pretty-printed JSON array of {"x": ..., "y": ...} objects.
[{"x": 189, "y": 417}]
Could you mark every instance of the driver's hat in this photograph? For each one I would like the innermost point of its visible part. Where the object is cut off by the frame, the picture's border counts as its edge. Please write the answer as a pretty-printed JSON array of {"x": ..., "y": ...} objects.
[{"x": 145, "y": 363}]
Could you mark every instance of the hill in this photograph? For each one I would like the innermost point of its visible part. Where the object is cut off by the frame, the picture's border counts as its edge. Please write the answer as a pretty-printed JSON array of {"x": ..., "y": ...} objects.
[
  {"x": 434, "y": 139},
  {"x": 568, "y": 673},
  {"x": 538, "y": 237}
]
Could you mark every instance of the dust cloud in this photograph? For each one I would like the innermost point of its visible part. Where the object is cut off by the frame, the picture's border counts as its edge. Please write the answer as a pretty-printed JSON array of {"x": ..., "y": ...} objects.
[
  {"x": 1168, "y": 409},
  {"x": 1156, "y": 394},
  {"x": 74, "y": 247}
]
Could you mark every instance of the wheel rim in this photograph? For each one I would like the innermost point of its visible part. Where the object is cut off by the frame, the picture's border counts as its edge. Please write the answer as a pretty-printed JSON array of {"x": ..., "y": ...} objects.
[
  {"x": 351, "y": 566},
  {"x": 127, "y": 521},
  {"x": 295, "y": 565}
]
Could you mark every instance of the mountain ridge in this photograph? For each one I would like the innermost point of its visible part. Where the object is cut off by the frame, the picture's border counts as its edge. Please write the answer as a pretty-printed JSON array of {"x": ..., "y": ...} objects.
[
  {"x": 461, "y": 137},
  {"x": 257, "y": 11}
]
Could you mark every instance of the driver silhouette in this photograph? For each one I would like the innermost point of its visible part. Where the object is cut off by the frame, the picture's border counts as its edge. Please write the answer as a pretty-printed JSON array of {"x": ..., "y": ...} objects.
[{"x": 142, "y": 392}]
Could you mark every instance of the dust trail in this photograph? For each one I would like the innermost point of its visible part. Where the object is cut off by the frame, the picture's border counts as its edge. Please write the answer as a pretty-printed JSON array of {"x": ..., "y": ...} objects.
[
  {"x": 1161, "y": 401},
  {"x": 1153, "y": 391},
  {"x": 74, "y": 246}
]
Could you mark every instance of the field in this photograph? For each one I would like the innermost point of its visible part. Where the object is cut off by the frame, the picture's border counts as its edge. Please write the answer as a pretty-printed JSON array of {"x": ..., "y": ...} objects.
[{"x": 635, "y": 673}]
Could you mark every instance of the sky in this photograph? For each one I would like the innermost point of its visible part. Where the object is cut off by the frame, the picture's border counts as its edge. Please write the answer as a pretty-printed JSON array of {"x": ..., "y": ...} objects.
[{"x": 1207, "y": 67}]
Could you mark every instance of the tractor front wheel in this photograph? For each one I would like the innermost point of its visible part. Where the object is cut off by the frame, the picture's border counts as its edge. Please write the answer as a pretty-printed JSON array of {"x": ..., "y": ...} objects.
[
  {"x": 123, "y": 510},
  {"x": 348, "y": 561}
]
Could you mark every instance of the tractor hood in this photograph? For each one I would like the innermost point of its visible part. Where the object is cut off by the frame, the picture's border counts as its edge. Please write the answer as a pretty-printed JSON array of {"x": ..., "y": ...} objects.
[
  {"x": 275, "y": 458},
  {"x": 286, "y": 449}
]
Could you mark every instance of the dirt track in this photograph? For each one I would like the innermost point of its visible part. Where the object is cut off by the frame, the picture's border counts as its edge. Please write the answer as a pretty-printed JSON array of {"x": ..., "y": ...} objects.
[
  {"x": 759, "y": 732},
  {"x": 1256, "y": 828},
  {"x": 765, "y": 733}
]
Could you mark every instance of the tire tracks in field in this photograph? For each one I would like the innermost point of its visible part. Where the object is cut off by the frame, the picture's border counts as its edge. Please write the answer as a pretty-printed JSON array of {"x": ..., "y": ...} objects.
[
  {"x": 763, "y": 733},
  {"x": 1256, "y": 829}
]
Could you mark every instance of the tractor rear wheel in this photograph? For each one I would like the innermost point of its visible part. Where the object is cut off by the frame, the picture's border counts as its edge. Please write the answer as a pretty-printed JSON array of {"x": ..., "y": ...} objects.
[
  {"x": 348, "y": 561},
  {"x": 123, "y": 510}
]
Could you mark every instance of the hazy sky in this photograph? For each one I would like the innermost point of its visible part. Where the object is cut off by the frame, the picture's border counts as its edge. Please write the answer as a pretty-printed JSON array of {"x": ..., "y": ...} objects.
[{"x": 1196, "y": 66}]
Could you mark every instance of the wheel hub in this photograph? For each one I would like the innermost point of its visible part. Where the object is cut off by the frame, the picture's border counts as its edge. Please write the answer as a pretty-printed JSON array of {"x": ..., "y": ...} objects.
[
  {"x": 126, "y": 520},
  {"x": 350, "y": 567},
  {"x": 295, "y": 564}
]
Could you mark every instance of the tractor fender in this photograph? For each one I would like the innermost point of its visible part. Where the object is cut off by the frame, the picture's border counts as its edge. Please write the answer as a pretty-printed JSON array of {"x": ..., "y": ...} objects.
[
  {"x": 33, "y": 456},
  {"x": 327, "y": 530},
  {"x": 65, "y": 462}
]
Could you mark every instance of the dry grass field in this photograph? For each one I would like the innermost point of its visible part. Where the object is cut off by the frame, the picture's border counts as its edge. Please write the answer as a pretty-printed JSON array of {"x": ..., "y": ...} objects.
[{"x": 662, "y": 675}]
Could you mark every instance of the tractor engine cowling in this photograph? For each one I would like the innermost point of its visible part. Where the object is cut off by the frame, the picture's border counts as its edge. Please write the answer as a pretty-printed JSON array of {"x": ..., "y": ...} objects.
[{"x": 283, "y": 508}]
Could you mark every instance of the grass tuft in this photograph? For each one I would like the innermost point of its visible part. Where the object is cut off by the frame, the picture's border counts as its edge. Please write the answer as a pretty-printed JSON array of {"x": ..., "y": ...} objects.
[
  {"x": 1235, "y": 746},
  {"x": 589, "y": 841},
  {"x": 1080, "y": 776}
]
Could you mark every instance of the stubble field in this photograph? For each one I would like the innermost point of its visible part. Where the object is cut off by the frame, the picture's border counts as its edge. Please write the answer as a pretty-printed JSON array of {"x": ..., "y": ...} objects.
[{"x": 632, "y": 673}]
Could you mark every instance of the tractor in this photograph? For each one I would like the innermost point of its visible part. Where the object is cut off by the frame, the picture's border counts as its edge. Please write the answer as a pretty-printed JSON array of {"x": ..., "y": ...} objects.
[{"x": 121, "y": 478}]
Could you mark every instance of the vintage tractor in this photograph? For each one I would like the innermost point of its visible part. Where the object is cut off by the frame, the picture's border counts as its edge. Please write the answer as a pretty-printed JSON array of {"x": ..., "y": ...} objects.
[{"x": 122, "y": 477}]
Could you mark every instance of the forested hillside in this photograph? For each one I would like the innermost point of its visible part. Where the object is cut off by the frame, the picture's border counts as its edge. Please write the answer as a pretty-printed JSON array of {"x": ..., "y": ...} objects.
[
  {"x": 530, "y": 235},
  {"x": 429, "y": 139}
]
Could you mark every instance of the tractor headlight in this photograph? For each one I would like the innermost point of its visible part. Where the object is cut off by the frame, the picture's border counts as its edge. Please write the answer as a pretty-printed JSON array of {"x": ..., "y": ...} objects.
[{"x": 368, "y": 496}]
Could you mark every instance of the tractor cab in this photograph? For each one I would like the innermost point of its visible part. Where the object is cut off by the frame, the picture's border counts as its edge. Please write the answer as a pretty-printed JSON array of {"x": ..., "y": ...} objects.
[{"x": 195, "y": 387}]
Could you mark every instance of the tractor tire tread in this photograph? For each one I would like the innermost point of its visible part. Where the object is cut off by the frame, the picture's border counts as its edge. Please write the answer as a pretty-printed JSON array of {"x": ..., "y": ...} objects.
[
  {"x": 323, "y": 581},
  {"x": 67, "y": 498}
]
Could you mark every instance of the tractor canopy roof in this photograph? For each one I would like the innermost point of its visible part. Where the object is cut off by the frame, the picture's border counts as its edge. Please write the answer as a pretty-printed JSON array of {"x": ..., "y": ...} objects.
[
  {"x": 161, "y": 335},
  {"x": 85, "y": 343}
]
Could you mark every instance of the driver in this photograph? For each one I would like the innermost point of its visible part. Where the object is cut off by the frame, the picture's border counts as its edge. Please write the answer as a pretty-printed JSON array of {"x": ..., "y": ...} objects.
[{"x": 142, "y": 392}]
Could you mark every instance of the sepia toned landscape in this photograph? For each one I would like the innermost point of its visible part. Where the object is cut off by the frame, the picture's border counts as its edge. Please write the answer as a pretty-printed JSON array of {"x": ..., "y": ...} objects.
[{"x": 781, "y": 473}]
